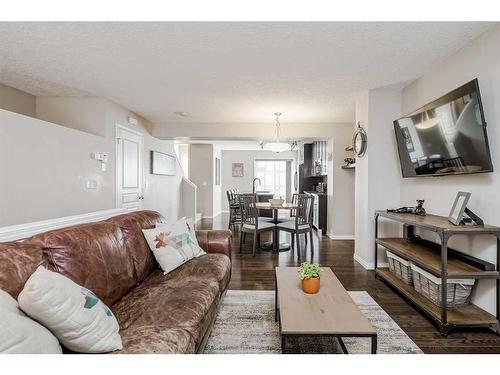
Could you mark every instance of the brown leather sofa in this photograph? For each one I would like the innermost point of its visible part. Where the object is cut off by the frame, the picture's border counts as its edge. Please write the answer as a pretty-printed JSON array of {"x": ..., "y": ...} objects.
[{"x": 157, "y": 313}]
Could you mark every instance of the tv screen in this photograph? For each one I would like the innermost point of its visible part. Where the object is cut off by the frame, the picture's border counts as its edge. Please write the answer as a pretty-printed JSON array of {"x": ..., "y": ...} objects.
[{"x": 445, "y": 137}]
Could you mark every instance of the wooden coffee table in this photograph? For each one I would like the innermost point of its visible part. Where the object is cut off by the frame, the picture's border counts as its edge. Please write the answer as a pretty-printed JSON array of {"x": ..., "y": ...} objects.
[{"x": 331, "y": 312}]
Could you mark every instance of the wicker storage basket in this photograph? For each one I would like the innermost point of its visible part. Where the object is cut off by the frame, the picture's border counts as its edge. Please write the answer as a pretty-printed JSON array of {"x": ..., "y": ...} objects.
[
  {"x": 458, "y": 292},
  {"x": 400, "y": 268}
]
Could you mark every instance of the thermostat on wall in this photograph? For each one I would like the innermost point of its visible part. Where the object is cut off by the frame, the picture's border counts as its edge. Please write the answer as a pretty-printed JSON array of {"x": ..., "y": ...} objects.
[{"x": 102, "y": 157}]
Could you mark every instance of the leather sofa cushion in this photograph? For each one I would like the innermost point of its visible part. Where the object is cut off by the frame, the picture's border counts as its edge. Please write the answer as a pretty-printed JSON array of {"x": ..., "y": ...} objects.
[
  {"x": 131, "y": 225},
  {"x": 209, "y": 266},
  {"x": 93, "y": 255},
  {"x": 176, "y": 303},
  {"x": 18, "y": 260},
  {"x": 156, "y": 339}
]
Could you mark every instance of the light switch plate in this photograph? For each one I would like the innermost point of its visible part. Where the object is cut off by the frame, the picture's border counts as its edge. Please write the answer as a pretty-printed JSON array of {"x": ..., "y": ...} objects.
[{"x": 91, "y": 184}]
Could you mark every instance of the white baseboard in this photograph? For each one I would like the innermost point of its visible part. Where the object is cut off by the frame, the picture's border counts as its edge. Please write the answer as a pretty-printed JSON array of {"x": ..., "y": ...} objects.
[
  {"x": 211, "y": 217},
  {"x": 22, "y": 231},
  {"x": 368, "y": 265},
  {"x": 340, "y": 236}
]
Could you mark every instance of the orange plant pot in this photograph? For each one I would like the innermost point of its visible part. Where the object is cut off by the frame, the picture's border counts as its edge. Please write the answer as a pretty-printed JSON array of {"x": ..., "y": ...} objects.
[{"x": 311, "y": 285}]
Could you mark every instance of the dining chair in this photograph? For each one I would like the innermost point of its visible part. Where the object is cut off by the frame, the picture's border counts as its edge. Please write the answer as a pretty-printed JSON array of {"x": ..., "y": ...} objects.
[
  {"x": 302, "y": 223},
  {"x": 234, "y": 208},
  {"x": 294, "y": 202},
  {"x": 250, "y": 220}
]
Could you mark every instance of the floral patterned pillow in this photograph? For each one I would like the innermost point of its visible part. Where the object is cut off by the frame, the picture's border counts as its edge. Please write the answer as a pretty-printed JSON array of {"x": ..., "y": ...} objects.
[{"x": 172, "y": 245}]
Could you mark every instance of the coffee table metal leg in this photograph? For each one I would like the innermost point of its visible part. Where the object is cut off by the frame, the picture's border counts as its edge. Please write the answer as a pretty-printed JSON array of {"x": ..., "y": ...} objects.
[
  {"x": 275, "y": 299},
  {"x": 342, "y": 345},
  {"x": 282, "y": 344},
  {"x": 374, "y": 344}
]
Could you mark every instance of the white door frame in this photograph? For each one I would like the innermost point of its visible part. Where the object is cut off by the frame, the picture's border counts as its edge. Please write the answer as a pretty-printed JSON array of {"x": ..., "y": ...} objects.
[{"x": 118, "y": 127}]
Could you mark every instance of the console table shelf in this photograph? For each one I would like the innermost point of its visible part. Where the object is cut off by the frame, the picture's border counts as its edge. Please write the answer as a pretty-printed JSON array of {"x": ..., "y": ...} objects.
[
  {"x": 430, "y": 260},
  {"x": 470, "y": 315},
  {"x": 442, "y": 262}
]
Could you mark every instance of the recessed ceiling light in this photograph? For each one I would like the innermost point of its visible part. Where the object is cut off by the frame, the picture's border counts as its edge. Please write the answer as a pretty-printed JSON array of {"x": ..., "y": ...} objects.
[{"x": 182, "y": 114}]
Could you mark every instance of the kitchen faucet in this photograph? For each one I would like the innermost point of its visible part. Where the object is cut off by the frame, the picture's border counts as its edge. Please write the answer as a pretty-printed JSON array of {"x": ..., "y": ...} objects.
[{"x": 253, "y": 184}]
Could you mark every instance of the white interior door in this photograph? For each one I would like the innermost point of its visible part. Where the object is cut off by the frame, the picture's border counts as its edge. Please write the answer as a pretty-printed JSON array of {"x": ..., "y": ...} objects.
[{"x": 129, "y": 168}]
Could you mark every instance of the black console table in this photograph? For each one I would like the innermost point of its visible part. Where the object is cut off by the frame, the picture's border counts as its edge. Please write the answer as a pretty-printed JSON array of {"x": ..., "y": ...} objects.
[{"x": 442, "y": 262}]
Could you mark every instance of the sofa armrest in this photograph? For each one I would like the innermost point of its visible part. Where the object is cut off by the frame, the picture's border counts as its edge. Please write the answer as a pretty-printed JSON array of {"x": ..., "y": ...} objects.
[{"x": 215, "y": 241}]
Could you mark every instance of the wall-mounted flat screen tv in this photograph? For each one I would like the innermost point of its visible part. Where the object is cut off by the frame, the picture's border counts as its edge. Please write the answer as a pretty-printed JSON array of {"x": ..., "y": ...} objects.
[{"x": 445, "y": 137}]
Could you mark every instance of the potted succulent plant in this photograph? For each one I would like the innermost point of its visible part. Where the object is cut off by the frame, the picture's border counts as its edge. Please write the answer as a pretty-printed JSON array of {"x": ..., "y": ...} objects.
[{"x": 310, "y": 275}]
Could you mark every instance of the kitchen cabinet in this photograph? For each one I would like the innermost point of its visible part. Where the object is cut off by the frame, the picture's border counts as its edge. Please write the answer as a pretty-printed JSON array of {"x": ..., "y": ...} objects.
[
  {"x": 319, "y": 152},
  {"x": 300, "y": 157},
  {"x": 308, "y": 160}
]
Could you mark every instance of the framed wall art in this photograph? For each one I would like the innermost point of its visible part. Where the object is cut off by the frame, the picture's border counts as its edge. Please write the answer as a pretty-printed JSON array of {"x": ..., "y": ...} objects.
[
  {"x": 217, "y": 171},
  {"x": 162, "y": 164},
  {"x": 237, "y": 170}
]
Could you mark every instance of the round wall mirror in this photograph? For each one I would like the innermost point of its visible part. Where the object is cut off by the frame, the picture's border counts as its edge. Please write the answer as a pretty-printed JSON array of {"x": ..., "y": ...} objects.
[{"x": 359, "y": 141}]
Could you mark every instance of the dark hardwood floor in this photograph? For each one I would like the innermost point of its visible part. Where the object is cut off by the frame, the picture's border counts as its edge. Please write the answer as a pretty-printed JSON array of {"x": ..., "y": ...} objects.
[{"x": 258, "y": 273}]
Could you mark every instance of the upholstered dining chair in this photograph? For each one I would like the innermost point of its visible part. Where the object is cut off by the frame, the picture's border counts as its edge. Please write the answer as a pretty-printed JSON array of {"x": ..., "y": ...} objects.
[
  {"x": 250, "y": 220},
  {"x": 302, "y": 223}
]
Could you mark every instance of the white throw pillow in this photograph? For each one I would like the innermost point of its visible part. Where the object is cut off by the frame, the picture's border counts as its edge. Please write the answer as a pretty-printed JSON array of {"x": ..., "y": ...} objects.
[
  {"x": 192, "y": 231},
  {"x": 172, "y": 244},
  {"x": 20, "y": 334},
  {"x": 189, "y": 224},
  {"x": 74, "y": 314}
]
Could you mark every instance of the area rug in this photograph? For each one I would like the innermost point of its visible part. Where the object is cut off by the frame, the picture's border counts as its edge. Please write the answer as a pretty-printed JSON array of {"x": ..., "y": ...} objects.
[{"x": 245, "y": 324}]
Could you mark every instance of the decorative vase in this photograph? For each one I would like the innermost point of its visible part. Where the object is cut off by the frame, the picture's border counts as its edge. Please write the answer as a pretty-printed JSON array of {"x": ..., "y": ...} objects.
[{"x": 311, "y": 285}]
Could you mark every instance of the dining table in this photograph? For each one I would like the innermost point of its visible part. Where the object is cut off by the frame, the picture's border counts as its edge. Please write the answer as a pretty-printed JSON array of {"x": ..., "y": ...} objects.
[{"x": 276, "y": 245}]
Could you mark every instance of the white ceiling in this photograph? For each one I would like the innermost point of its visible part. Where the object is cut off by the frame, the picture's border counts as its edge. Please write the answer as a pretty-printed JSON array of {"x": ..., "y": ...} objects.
[{"x": 225, "y": 72}]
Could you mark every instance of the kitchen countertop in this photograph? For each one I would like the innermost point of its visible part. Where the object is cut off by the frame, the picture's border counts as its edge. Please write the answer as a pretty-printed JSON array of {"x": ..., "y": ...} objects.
[
  {"x": 257, "y": 192},
  {"x": 314, "y": 192}
]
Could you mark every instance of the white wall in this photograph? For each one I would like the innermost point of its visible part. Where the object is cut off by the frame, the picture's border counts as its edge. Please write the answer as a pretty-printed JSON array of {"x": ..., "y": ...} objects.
[
  {"x": 246, "y": 157},
  {"x": 18, "y": 101},
  {"x": 243, "y": 131},
  {"x": 479, "y": 59},
  {"x": 87, "y": 114},
  {"x": 62, "y": 163},
  {"x": 161, "y": 193},
  {"x": 201, "y": 172},
  {"x": 377, "y": 172},
  {"x": 340, "y": 186},
  {"x": 43, "y": 170},
  {"x": 340, "y": 182},
  {"x": 341, "y": 204},
  {"x": 217, "y": 189}
]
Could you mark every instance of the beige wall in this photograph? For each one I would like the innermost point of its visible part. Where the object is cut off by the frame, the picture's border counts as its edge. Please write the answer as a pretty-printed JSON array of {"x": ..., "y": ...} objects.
[{"x": 14, "y": 100}]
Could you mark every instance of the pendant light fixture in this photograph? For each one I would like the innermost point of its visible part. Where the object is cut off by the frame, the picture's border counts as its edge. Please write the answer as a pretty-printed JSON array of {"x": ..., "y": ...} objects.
[
  {"x": 277, "y": 146},
  {"x": 427, "y": 121}
]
